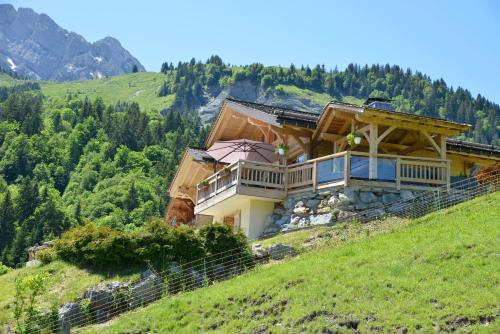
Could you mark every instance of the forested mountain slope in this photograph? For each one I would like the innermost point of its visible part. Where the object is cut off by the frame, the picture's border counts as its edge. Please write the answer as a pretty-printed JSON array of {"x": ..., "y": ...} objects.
[
  {"x": 65, "y": 161},
  {"x": 105, "y": 150}
]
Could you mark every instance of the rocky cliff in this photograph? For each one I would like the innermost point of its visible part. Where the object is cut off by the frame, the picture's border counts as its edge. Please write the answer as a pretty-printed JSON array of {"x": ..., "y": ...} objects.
[
  {"x": 247, "y": 91},
  {"x": 33, "y": 45}
]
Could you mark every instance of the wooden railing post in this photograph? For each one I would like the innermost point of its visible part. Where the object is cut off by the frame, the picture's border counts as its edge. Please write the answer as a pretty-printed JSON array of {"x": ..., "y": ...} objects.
[
  {"x": 285, "y": 179},
  {"x": 448, "y": 176},
  {"x": 238, "y": 173},
  {"x": 314, "y": 175},
  {"x": 347, "y": 168},
  {"x": 197, "y": 194},
  {"x": 398, "y": 173}
]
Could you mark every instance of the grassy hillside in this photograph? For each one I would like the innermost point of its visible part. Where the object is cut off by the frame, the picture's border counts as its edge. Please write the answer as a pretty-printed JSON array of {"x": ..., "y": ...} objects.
[
  {"x": 438, "y": 273},
  {"x": 134, "y": 87},
  {"x": 143, "y": 88},
  {"x": 65, "y": 284},
  {"x": 6, "y": 80}
]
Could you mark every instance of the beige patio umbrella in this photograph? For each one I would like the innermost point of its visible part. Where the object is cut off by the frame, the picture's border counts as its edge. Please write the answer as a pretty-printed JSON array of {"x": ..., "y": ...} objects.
[{"x": 230, "y": 151}]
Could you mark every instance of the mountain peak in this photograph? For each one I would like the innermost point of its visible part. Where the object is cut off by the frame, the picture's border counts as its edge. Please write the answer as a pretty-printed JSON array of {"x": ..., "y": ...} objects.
[{"x": 34, "y": 45}]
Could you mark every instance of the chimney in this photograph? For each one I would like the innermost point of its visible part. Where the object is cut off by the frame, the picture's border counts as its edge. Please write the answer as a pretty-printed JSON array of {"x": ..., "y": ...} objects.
[{"x": 379, "y": 103}]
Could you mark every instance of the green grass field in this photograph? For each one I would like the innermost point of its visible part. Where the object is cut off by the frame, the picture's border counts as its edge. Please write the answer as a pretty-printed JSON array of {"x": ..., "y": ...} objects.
[
  {"x": 134, "y": 87},
  {"x": 66, "y": 282},
  {"x": 440, "y": 273}
]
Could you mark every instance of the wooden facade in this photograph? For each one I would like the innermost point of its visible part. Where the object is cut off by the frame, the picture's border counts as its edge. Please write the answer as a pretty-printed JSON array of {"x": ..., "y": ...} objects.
[{"x": 396, "y": 150}]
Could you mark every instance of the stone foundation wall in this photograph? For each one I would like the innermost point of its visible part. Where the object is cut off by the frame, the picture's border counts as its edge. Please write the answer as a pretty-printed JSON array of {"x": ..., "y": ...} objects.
[{"x": 331, "y": 205}]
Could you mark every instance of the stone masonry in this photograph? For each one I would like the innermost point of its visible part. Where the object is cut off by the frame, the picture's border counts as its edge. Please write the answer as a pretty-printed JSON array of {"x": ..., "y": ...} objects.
[{"x": 328, "y": 206}]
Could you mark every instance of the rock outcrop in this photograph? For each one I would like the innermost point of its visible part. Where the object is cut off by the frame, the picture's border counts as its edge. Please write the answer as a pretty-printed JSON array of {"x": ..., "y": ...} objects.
[
  {"x": 248, "y": 91},
  {"x": 33, "y": 45}
]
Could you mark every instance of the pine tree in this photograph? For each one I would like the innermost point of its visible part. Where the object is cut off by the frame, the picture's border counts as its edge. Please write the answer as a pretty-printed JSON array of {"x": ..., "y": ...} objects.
[
  {"x": 135, "y": 69},
  {"x": 131, "y": 201},
  {"x": 27, "y": 199},
  {"x": 7, "y": 221},
  {"x": 77, "y": 213}
]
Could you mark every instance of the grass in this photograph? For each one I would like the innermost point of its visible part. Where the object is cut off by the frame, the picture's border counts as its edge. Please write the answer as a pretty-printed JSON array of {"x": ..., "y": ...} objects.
[
  {"x": 6, "y": 80},
  {"x": 320, "y": 236},
  {"x": 439, "y": 273},
  {"x": 318, "y": 98},
  {"x": 66, "y": 282},
  {"x": 140, "y": 87},
  {"x": 353, "y": 100}
]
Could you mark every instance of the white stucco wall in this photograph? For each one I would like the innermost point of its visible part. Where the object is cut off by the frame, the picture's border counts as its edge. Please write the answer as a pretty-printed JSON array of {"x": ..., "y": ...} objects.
[
  {"x": 253, "y": 214},
  {"x": 259, "y": 211}
]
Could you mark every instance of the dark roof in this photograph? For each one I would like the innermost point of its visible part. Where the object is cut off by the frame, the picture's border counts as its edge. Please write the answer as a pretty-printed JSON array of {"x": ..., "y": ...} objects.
[
  {"x": 285, "y": 115},
  {"x": 474, "y": 148},
  {"x": 199, "y": 154},
  {"x": 377, "y": 99}
]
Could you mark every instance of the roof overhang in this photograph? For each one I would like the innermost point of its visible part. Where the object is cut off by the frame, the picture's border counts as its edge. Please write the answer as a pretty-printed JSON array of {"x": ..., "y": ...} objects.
[
  {"x": 366, "y": 114},
  {"x": 261, "y": 115},
  {"x": 190, "y": 171}
]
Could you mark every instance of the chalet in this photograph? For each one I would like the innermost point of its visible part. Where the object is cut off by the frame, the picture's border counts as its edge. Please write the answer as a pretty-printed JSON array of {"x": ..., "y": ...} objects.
[{"x": 258, "y": 155}]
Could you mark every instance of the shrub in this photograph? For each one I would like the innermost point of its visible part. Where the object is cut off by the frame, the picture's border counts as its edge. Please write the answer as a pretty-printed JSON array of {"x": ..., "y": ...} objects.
[
  {"x": 96, "y": 246},
  {"x": 153, "y": 244},
  {"x": 186, "y": 245},
  {"x": 46, "y": 256},
  {"x": 159, "y": 244},
  {"x": 3, "y": 269},
  {"x": 27, "y": 315},
  {"x": 226, "y": 246},
  {"x": 219, "y": 238},
  {"x": 156, "y": 245}
]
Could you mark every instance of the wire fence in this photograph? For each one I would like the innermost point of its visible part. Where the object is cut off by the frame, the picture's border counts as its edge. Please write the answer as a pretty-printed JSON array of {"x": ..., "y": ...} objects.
[{"x": 103, "y": 303}]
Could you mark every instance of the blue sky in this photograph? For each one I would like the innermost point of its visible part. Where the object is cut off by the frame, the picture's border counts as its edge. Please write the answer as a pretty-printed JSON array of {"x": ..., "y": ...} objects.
[{"x": 458, "y": 41}]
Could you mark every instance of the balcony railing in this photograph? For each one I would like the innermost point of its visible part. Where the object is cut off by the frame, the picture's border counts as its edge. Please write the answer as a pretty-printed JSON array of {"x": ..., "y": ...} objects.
[
  {"x": 244, "y": 173},
  {"x": 342, "y": 168}
]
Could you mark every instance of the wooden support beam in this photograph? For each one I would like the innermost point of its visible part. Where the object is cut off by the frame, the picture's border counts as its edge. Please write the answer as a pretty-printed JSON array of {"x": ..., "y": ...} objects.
[
  {"x": 264, "y": 133},
  {"x": 324, "y": 126},
  {"x": 442, "y": 144},
  {"x": 415, "y": 147},
  {"x": 331, "y": 137},
  {"x": 342, "y": 146},
  {"x": 404, "y": 136},
  {"x": 364, "y": 131},
  {"x": 344, "y": 127},
  {"x": 385, "y": 134},
  {"x": 431, "y": 140},
  {"x": 299, "y": 141}
]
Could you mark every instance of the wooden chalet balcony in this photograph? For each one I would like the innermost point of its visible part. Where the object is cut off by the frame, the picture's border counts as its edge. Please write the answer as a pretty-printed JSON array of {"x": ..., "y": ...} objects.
[{"x": 340, "y": 169}]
